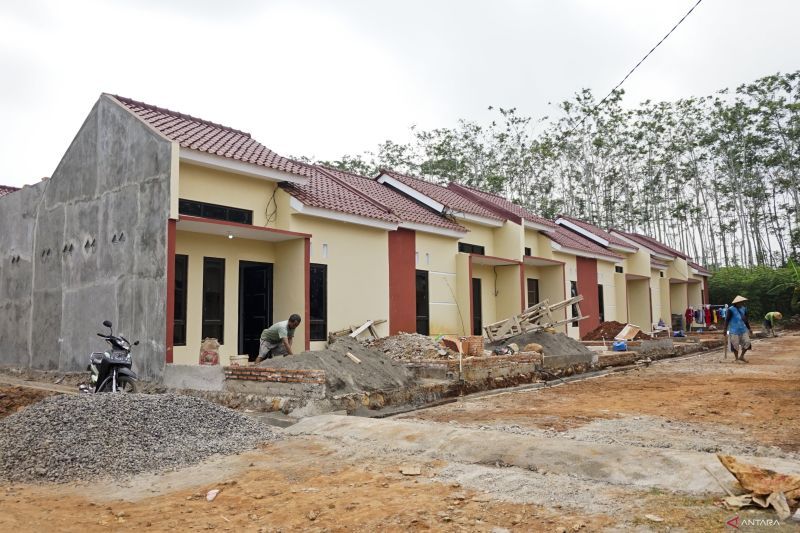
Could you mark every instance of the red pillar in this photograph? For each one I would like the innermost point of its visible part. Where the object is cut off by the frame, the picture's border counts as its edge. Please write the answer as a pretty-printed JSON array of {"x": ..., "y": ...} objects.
[
  {"x": 587, "y": 286},
  {"x": 307, "y": 262},
  {"x": 402, "y": 281}
]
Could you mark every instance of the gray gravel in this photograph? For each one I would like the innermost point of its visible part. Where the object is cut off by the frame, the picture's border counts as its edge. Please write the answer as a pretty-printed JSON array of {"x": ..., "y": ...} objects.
[{"x": 67, "y": 438}]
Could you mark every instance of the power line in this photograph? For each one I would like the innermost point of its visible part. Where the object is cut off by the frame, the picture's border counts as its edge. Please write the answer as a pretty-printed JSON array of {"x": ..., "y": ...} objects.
[{"x": 637, "y": 64}]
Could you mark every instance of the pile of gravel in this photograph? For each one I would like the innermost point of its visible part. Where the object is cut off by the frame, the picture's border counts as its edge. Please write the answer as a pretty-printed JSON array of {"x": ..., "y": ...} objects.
[
  {"x": 411, "y": 347},
  {"x": 66, "y": 438}
]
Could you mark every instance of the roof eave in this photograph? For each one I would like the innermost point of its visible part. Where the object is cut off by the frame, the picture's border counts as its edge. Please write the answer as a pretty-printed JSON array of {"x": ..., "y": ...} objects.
[
  {"x": 340, "y": 216},
  {"x": 217, "y": 162}
]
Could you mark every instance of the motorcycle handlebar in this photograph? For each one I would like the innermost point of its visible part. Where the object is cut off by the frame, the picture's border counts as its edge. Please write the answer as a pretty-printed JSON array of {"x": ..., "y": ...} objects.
[{"x": 101, "y": 335}]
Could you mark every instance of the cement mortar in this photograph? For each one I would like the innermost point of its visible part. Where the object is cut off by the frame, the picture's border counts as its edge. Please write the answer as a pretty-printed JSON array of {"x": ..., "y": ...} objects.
[
  {"x": 553, "y": 345},
  {"x": 343, "y": 375}
]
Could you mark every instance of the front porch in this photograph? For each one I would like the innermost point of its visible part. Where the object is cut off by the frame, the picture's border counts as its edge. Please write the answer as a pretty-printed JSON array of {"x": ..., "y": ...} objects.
[{"x": 229, "y": 281}]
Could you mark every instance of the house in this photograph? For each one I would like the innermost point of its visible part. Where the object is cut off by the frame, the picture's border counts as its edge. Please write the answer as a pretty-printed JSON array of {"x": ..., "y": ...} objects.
[{"x": 177, "y": 229}]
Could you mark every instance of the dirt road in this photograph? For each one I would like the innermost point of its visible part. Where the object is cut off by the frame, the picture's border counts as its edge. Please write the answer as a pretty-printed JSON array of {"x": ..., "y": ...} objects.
[{"x": 312, "y": 482}]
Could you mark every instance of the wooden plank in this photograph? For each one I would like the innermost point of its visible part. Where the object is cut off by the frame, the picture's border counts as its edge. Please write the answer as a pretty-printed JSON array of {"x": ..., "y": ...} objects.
[{"x": 360, "y": 329}]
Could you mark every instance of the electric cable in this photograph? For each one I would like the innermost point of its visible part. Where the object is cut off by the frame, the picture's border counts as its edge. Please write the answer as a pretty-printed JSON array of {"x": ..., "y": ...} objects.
[{"x": 635, "y": 67}]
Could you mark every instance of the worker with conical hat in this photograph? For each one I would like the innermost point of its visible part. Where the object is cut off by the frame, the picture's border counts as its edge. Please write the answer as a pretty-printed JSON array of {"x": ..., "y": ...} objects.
[
  {"x": 769, "y": 322},
  {"x": 738, "y": 328}
]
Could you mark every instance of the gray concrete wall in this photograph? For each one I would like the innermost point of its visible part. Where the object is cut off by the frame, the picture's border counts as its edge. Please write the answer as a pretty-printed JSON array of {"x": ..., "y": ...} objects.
[{"x": 113, "y": 179}]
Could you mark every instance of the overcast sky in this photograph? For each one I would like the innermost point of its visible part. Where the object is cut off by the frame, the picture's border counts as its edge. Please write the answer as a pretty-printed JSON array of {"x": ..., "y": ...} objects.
[{"x": 326, "y": 78}]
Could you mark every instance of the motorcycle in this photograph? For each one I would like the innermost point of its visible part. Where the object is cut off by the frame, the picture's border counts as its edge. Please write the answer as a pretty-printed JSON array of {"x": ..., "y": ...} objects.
[{"x": 110, "y": 371}]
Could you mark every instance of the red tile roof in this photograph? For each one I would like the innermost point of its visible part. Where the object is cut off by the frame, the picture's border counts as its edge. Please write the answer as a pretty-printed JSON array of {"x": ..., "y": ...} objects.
[
  {"x": 570, "y": 239},
  {"x": 449, "y": 198},
  {"x": 7, "y": 189},
  {"x": 600, "y": 232},
  {"x": 699, "y": 268},
  {"x": 400, "y": 205},
  {"x": 656, "y": 246},
  {"x": 326, "y": 192},
  {"x": 501, "y": 203},
  {"x": 209, "y": 137}
]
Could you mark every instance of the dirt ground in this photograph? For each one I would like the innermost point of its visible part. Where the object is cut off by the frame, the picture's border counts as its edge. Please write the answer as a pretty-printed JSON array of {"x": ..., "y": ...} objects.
[
  {"x": 12, "y": 398},
  {"x": 758, "y": 401},
  {"x": 308, "y": 483}
]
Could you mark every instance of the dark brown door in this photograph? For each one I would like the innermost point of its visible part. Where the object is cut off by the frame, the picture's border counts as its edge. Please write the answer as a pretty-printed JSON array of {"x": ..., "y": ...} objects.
[
  {"x": 423, "y": 303},
  {"x": 477, "y": 307},
  {"x": 255, "y": 305}
]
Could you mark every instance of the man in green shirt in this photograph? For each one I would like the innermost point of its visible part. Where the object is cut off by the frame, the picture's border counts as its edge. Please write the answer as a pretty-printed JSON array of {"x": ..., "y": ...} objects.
[
  {"x": 769, "y": 322},
  {"x": 277, "y": 339}
]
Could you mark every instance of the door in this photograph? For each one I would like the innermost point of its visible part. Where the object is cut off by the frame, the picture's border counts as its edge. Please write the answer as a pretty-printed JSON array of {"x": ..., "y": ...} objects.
[
  {"x": 533, "y": 291},
  {"x": 255, "y": 305},
  {"x": 477, "y": 309},
  {"x": 423, "y": 303}
]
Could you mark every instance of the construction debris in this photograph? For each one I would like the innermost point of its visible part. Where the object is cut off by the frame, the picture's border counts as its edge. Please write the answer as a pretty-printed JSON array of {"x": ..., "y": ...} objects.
[
  {"x": 766, "y": 488},
  {"x": 611, "y": 330},
  {"x": 355, "y": 331},
  {"x": 535, "y": 318},
  {"x": 412, "y": 347},
  {"x": 354, "y": 358}
]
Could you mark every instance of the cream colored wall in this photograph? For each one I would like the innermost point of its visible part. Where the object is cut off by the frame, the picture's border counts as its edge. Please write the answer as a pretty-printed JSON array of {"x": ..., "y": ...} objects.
[
  {"x": 488, "y": 301},
  {"x": 508, "y": 301},
  {"x": 509, "y": 241},
  {"x": 437, "y": 254},
  {"x": 655, "y": 295},
  {"x": 197, "y": 246},
  {"x": 639, "y": 302},
  {"x": 695, "y": 297},
  {"x": 678, "y": 268},
  {"x": 606, "y": 276},
  {"x": 289, "y": 286},
  {"x": 223, "y": 188},
  {"x": 678, "y": 298},
  {"x": 571, "y": 274},
  {"x": 664, "y": 288},
  {"x": 358, "y": 271},
  {"x": 637, "y": 263},
  {"x": 463, "y": 282},
  {"x": 536, "y": 242},
  {"x": 621, "y": 293},
  {"x": 480, "y": 235}
]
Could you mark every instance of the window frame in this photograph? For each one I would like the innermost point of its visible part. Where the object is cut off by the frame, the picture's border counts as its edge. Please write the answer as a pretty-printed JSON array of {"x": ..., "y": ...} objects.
[
  {"x": 206, "y": 322},
  {"x": 573, "y": 289},
  {"x": 179, "y": 311},
  {"x": 215, "y": 211},
  {"x": 316, "y": 321},
  {"x": 468, "y": 248}
]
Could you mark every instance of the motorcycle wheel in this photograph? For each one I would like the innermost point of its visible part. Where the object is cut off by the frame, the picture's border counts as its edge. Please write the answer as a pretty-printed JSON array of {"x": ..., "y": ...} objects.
[{"x": 124, "y": 384}]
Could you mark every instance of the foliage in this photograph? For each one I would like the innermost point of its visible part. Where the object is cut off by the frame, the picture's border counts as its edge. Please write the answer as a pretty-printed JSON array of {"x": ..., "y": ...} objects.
[
  {"x": 716, "y": 176},
  {"x": 767, "y": 289}
]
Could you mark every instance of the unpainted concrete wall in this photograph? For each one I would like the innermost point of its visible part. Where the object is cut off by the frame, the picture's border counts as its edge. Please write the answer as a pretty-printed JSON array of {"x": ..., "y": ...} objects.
[{"x": 113, "y": 179}]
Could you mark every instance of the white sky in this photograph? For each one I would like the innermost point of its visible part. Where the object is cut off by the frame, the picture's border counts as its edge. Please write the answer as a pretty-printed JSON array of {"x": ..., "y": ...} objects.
[{"x": 326, "y": 78}]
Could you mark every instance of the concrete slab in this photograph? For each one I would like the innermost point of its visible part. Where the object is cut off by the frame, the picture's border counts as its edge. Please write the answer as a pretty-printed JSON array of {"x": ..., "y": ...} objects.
[
  {"x": 197, "y": 377},
  {"x": 682, "y": 471}
]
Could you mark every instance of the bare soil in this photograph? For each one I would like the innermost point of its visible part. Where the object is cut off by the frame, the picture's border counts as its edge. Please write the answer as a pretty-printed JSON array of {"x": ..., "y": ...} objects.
[
  {"x": 316, "y": 484},
  {"x": 13, "y": 398},
  {"x": 757, "y": 400},
  {"x": 609, "y": 330}
]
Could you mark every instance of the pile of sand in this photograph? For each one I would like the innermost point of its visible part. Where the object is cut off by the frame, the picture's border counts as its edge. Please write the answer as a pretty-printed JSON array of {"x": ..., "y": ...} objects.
[
  {"x": 343, "y": 375},
  {"x": 552, "y": 343}
]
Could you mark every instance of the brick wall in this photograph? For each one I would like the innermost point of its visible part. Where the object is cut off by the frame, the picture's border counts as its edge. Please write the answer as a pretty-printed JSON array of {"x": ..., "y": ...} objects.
[{"x": 275, "y": 375}]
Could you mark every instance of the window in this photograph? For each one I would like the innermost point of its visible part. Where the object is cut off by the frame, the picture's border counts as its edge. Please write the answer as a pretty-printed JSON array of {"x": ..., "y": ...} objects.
[
  {"x": 423, "y": 305},
  {"x": 318, "y": 328},
  {"x": 533, "y": 291},
  {"x": 179, "y": 320},
  {"x": 527, "y": 251},
  {"x": 470, "y": 248},
  {"x": 618, "y": 269},
  {"x": 217, "y": 212},
  {"x": 573, "y": 291},
  {"x": 600, "y": 303},
  {"x": 213, "y": 298},
  {"x": 661, "y": 274}
]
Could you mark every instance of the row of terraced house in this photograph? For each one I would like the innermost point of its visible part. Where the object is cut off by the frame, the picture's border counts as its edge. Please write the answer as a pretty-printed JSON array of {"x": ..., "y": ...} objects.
[{"x": 178, "y": 229}]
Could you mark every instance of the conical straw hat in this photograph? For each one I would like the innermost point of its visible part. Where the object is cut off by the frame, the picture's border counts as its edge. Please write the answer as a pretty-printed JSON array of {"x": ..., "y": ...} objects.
[{"x": 739, "y": 299}]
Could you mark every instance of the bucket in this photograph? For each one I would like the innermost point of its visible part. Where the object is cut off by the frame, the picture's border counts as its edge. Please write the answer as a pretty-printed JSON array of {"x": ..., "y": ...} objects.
[{"x": 240, "y": 360}]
